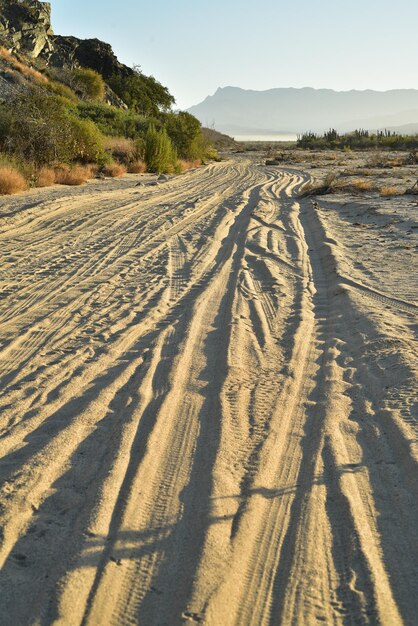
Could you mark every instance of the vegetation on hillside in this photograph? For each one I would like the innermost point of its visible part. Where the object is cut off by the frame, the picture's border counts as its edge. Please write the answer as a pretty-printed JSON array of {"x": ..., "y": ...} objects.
[
  {"x": 358, "y": 140},
  {"x": 57, "y": 127},
  {"x": 143, "y": 94}
]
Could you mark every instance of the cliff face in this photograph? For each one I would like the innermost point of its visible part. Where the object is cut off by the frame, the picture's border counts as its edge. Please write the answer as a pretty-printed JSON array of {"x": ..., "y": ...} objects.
[{"x": 25, "y": 27}]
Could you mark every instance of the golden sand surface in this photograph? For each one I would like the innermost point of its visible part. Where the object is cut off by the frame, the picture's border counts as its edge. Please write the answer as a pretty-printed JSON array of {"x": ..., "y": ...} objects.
[{"x": 208, "y": 410}]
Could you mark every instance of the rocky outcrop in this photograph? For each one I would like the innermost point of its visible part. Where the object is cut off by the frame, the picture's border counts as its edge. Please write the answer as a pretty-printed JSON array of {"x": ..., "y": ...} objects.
[
  {"x": 25, "y": 29},
  {"x": 25, "y": 26},
  {"x": 93, "y": 53}
]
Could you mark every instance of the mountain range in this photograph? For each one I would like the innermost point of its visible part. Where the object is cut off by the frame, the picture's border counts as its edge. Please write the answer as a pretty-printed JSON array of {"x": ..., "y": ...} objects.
[{"x": 288, "y": 110}]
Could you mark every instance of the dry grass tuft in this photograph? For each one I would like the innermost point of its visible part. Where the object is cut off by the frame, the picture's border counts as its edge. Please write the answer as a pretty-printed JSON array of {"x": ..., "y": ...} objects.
[
  {"x": 11, "y": 180},
  {"x": 46, "y": 177},
  {"x": 24, "y": 69},
  {"x": 389, "y": 191},
  {"x": 76, "y": 175},
  {"x": 332, "y": 184},
  {"x": 114, "y": 170},
  {"x": 137, "y": 167},
  {"x": 362, "y": 185},
  {"x": 189, "y": 165},
  {"x": 92, "y": 169}
]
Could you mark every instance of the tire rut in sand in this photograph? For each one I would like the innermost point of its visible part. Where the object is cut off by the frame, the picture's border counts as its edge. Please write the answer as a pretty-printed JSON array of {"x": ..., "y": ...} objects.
[{"x": 209, "y": 442}]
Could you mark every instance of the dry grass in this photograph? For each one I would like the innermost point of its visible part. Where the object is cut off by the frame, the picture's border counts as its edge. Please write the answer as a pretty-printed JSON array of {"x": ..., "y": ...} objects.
[
  {"x": 189, "y": 165},
  {"x": 11, "y": 180},
  {"x": 121, "y": 148},
  {"x": 396, "y": 162},
  {"x": 388, "y": 161},
  {"x": 389, "y": 191},
  {"x": 93, "y": 169},
  {"x": 332, "y": 184},
  {"x": 362, "y": 185},
  {"x": 24, "y": 69},
  {"x": 137, "y": 167},
  {"x": 76, "y": 175},
  {"x": 45, "y": 177},
  {"x": 114, "y": 170}
]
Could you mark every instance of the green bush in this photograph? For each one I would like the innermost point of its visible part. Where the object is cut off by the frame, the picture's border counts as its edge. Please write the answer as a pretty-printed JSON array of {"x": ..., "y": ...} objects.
[
  {"x": 87, "y": 142},
  {"x": 185, "y": 132},
  {"x": 39, "y": 127},
  {"x": 88, "y": 83},
  {"x": 115, "y": 122},
  {"x": 358, "y": 140},
  {"x": 62, "y": 90},
  {"x": 159, "y": 154}
]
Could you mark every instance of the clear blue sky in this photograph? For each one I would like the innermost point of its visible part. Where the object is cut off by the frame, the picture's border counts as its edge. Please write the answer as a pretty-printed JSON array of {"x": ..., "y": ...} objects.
[{"x": 194, "y": 47}]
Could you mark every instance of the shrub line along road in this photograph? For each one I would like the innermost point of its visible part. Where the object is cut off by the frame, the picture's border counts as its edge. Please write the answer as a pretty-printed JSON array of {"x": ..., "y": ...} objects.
[{"x": 194, "y": 425}]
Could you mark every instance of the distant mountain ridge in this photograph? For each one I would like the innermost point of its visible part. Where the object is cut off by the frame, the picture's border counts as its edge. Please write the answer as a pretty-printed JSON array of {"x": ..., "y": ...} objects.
[{"x": 289, "y": 110}]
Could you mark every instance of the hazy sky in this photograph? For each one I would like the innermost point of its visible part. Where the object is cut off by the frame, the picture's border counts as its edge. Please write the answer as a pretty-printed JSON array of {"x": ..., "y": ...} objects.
[{"x": 194, "y": 47}]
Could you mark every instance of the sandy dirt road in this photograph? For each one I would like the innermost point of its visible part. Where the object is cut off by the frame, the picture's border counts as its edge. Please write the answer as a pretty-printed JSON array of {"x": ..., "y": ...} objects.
[{"x": 207, "y": 407}]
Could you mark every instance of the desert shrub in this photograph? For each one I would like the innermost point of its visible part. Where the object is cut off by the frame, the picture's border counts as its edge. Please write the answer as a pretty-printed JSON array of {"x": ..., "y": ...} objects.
[
  {"x": 137, "y": 167},
  {"x": 121, "y": 148},
  {"x": 87, "y": 142},
  {"x": 114, "y": 170},
  {"x": 75, "y": 175},
  {"x": 333, "y": 184},
  {"x": 359, "y": 139},
  {"x": 87, "y": 83},
  {"x": 45, "y": 177},
  {"x": 11, "y": 180},
  {"x": 139, "y": 144},
  {"x": 312, "y": 188},
  {"x": 41, "y": 128},
  {"x": 6, "y": 124},
  {"x": 159, "y": 154}
]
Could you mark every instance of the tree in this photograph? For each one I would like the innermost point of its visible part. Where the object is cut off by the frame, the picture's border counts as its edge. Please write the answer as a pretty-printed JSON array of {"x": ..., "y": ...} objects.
[
  {"x": 185, "y": 131},
  {"x": 143, "y": 94}
]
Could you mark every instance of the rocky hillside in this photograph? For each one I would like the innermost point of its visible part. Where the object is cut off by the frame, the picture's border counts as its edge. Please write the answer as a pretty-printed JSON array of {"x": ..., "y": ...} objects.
[{"x": 25, "y": 29}]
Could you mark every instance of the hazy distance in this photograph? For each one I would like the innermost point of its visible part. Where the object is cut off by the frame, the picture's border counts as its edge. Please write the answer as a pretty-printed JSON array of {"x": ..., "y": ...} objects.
[
  {"x": 194, "y": 47},
  {"x": 272, "y": 113}
]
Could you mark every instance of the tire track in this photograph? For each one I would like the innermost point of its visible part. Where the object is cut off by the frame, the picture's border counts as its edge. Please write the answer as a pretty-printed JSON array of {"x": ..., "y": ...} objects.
[{"x": 197, "y": 427}]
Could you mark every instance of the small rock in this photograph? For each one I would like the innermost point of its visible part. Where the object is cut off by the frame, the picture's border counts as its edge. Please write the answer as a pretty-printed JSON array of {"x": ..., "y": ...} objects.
[{"x": 115, "y": 560}]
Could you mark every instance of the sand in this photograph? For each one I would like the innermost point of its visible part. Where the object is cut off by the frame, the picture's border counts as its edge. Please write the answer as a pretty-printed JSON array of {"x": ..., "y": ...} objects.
[{"x": 208, "y": 403}]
